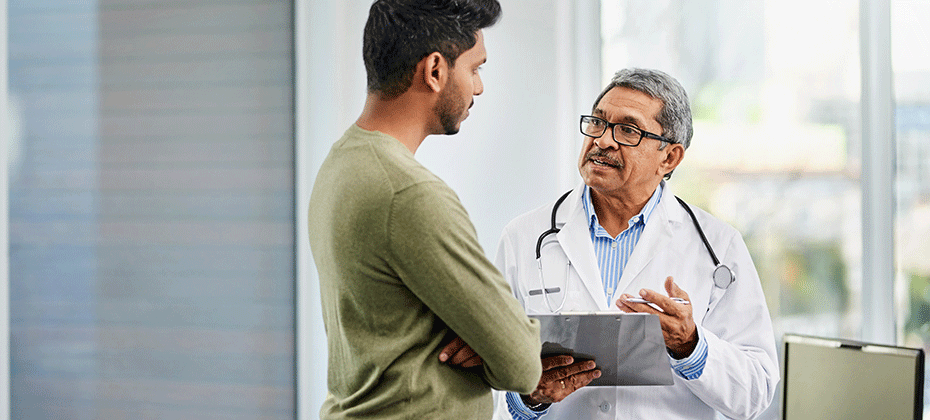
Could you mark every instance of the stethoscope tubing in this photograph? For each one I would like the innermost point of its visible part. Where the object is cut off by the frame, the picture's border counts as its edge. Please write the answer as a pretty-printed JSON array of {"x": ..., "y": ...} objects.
[
  {"x": 553, "y": 229},
  {"x": 722, "y": 275}
]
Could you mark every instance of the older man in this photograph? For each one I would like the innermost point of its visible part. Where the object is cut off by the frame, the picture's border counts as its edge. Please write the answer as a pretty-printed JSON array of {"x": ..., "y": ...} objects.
[{"x": 624, "y": 237}]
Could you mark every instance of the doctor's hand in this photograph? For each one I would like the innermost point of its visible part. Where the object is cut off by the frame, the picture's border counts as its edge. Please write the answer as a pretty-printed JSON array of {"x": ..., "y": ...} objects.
[
  {"x": 678, "y": 327},
  {"x": 561, "y": 376},
  {"x": 459, "y": 353}
]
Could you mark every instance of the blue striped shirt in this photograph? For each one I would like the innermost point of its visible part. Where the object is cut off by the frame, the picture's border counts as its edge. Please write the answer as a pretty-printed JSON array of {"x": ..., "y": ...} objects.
[{"x": 612, "y": 254}]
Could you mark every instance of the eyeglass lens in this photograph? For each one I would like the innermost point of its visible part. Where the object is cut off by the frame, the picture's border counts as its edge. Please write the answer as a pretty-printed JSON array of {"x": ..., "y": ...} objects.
[{"x": 622, "y": 133}]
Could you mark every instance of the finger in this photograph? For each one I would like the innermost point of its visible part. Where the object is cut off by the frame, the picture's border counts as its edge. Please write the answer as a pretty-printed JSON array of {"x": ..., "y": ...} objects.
[
  {"x": 583, "y": 379},
  {"x": 642, "y": 307},
  {"x": 673, "y": 290},
  {"x": 581, "y": 366},
  {"x": 664, "y": 303},
  {"x": 553, "y": 362},
  {"x": 473, "y": 361},
  {"x": 462, "y": 355},
  {"x": 565, "y": 373},
  {"x": 678, "y": 310},
  {"x": 560, "y": 389},
  {"x": 451, "y": 348},
  {"x": 622, "y": 303}
]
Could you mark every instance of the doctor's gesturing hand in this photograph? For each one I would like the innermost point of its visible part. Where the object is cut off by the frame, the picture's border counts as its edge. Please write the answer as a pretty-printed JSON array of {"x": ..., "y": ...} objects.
[{"x": 678, "y": 327}]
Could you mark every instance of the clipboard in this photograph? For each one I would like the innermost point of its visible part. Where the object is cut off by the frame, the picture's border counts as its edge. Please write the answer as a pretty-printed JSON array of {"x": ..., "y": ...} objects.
[{"x": 628, "y": 348}]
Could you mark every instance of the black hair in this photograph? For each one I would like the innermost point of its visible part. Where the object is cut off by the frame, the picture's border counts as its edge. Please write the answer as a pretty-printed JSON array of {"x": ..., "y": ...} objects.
[{"x": 399, "y": 33}]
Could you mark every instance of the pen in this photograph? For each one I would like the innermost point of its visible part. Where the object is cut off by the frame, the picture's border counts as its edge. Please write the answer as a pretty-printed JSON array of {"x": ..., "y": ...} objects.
[{"x": 674, "y": 299}]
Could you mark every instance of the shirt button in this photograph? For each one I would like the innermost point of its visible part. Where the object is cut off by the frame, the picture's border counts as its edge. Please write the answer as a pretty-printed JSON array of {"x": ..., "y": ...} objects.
[
  {"x": 605, "y": 406},
  {"x": 613, "y": 245}
]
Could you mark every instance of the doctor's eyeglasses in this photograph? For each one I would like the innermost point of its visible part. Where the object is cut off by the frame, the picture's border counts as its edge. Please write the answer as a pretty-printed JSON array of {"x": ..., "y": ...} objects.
[{"x": 623, "y": 134}]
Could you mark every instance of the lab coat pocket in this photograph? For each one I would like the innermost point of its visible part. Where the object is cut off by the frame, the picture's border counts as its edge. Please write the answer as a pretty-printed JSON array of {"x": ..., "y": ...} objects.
[
  {"x": 560, "y": 301},
  {"x": 539, "y": 302},
  {"x": 575, "y": 302}
]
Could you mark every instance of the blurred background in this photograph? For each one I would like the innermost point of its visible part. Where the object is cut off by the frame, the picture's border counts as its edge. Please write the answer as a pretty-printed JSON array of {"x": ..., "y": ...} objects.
[{"x": 160, "y": 155}]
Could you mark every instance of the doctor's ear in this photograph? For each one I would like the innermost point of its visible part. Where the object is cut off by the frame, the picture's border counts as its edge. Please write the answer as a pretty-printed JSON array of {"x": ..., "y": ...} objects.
[{"x": 674, "y": 154}]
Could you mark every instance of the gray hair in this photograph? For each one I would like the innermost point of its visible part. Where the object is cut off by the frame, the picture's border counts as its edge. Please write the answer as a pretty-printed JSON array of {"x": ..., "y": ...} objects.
[{"x": 675, "y": 116}]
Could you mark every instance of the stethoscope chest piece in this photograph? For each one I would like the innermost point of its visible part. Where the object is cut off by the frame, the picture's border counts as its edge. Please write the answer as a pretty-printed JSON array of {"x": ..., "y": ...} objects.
[{"x": 723, "y": 276}]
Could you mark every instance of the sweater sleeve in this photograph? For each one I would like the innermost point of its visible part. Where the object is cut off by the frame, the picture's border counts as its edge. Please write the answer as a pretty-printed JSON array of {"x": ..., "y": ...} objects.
[{"x": 435, "y": 251}]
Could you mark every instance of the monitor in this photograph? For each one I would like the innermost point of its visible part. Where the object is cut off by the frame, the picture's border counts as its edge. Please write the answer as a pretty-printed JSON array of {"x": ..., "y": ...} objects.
[{"x": 833, "y": 379}]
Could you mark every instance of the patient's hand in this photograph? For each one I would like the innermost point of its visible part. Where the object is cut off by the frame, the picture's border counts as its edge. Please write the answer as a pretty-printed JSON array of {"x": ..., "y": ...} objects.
[{"x": 459, "y": 353}]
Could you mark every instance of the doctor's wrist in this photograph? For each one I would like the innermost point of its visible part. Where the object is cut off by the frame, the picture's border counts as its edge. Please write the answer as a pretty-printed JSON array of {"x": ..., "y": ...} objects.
[
  {"x": 684, "y": 350},
  {"x": 533, "y": 404}
]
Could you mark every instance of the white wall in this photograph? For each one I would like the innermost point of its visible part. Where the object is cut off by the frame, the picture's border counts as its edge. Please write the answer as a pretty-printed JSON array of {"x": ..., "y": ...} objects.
[{"x": 329, "y": 93}]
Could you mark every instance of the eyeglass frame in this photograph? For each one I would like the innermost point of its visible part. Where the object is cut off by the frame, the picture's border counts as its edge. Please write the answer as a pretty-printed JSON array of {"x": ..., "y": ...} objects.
[{"x": 610, "y": 127}]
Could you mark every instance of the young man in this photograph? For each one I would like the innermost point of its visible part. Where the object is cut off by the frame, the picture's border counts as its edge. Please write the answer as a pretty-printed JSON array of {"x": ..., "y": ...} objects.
[{"x": 401, "y": 270}]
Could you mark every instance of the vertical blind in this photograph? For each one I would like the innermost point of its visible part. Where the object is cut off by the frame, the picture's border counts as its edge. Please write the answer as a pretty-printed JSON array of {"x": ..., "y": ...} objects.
[{"x": 151, "y": 209}]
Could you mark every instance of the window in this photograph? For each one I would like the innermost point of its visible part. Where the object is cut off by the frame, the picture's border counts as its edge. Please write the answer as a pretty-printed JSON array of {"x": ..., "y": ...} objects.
[
  {"x": 911, "y": 65},
  {"x": 775, "y": 98},
  {"x": 777, "y": 144}
]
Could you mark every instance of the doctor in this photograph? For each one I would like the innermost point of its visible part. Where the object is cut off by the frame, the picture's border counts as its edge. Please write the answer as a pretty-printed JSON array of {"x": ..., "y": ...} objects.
[{"x": 621, "y": 235}]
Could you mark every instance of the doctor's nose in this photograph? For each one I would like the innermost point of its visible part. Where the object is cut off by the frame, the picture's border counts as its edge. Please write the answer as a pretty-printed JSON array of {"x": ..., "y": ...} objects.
[{"x": 606, "y": 141}]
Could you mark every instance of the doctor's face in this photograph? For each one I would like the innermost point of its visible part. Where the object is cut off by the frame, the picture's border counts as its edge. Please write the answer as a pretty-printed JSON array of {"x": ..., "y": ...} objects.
[{"x": 624, "y": 171}]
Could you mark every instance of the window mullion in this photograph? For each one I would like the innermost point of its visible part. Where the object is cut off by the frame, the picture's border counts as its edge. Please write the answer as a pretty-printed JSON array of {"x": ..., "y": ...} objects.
[{"x": 878, "y": 173}]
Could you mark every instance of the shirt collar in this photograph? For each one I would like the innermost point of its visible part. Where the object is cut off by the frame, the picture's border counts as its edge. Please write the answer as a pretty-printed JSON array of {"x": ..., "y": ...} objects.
[{"x": 642, "y": 216}]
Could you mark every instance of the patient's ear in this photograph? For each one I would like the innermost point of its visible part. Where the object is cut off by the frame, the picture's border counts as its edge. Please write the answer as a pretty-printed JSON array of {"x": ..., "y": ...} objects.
[{"x": 434, "y": 70}]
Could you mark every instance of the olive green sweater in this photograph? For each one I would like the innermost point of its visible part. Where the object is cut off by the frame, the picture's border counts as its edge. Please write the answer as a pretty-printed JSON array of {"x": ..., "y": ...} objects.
[{"x": 401, "y": 274}]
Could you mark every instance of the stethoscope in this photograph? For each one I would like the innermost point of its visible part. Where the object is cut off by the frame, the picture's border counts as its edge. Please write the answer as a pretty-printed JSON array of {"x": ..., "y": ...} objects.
[{"x": 722, "y": 274}]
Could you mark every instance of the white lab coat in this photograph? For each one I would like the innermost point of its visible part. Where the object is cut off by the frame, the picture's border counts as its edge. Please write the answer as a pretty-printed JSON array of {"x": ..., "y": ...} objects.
[{"x": 741, "y": 372}]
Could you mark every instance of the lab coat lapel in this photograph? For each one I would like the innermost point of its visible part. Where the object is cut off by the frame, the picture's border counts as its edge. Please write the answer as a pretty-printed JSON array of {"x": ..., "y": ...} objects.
[
  {"x": 575, "y": 239},
  {"x": 655, "y": 239}
]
